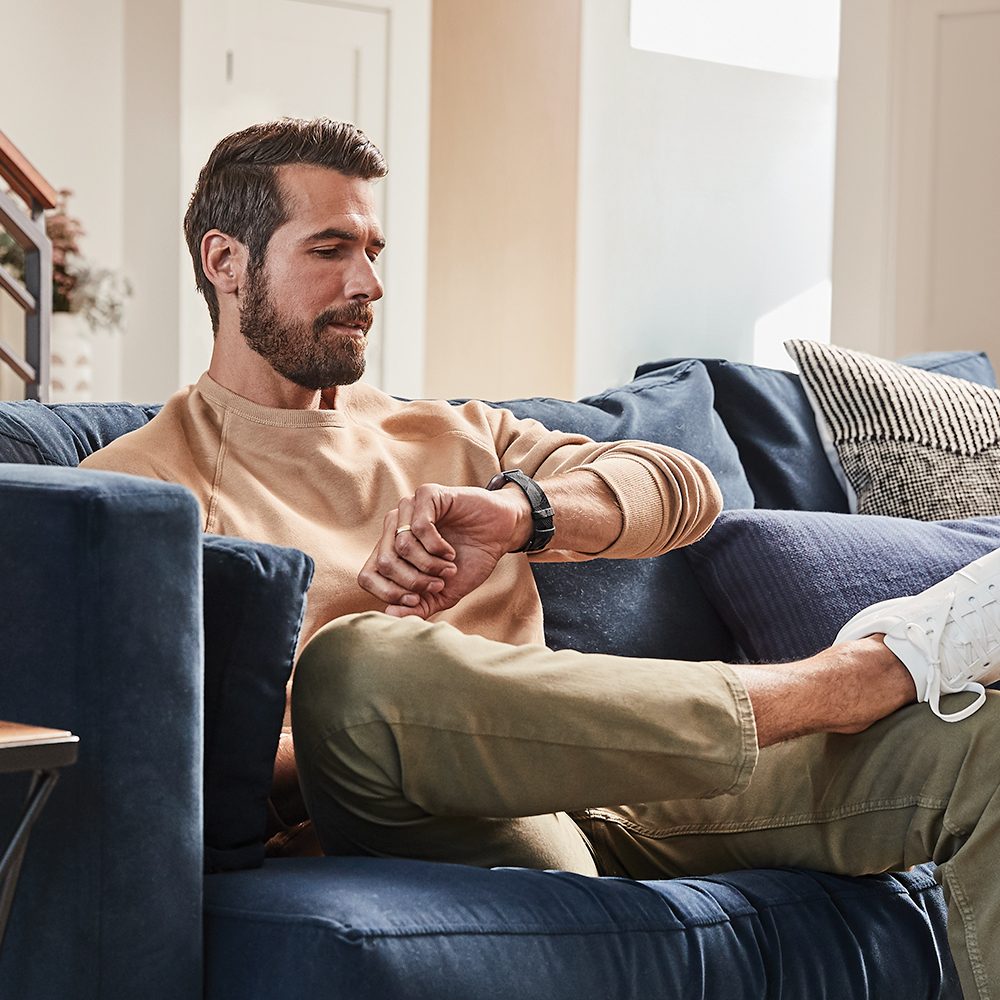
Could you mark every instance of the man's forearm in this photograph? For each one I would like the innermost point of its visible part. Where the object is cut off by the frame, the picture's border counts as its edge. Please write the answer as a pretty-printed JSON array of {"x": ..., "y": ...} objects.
[{"x": 587, "y": 518}]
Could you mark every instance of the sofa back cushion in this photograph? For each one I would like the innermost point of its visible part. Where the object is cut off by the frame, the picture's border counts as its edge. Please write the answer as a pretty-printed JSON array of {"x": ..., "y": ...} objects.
[
  {"x": 641, "y": 607},
  {"x": 65, "y": 434},
  {"x": 634, "y": 607}
]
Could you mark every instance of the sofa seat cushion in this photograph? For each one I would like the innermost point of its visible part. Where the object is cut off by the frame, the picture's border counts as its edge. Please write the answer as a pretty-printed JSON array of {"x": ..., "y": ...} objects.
[
  {"x": 358, "y": 928},
  {"x": 785, "y": 582}
]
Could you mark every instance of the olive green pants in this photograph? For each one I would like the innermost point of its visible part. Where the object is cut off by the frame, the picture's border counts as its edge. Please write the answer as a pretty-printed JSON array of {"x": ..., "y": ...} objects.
[{"x": 415, "y": 740}]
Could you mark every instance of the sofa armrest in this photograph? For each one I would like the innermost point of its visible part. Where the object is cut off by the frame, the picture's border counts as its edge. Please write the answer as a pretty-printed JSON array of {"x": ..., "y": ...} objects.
[{"x": 100, "y": 633}]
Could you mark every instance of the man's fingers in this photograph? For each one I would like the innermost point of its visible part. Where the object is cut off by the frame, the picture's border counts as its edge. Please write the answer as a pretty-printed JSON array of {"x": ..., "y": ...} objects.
[
  {"x": 392, "y": 580},
  {"x": 421, "y": 547},
  {"x": 406, "y": 611}
]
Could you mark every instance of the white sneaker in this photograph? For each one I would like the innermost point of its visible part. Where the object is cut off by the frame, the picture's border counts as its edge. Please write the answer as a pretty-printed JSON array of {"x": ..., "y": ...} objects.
[{"x": 948, "y": 637}]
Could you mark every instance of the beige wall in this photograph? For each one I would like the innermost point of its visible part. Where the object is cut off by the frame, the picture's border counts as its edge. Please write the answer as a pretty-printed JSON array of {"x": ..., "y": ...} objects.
[
  {"x": 503, "y": 198},
  {"x": 152, "y": 198}
]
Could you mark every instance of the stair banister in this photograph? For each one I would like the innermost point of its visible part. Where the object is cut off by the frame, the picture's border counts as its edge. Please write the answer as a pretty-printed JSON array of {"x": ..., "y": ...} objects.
[{"x": 28, "y": 230}]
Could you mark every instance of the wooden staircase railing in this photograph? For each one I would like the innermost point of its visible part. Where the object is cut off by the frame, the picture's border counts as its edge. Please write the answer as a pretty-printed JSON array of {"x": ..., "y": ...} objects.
[{"x": 35, "y": 297}]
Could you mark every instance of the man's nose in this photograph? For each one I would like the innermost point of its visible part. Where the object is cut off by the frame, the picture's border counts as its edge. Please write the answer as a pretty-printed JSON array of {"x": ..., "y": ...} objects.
[{"x": 364, "y": 281}]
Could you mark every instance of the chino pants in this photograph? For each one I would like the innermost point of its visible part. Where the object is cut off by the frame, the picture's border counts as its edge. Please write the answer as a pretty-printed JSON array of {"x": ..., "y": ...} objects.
[{"x": 415, "y": 740}]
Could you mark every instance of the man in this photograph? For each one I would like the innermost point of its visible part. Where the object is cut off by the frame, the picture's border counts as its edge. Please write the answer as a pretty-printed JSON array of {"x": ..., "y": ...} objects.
[{"x": 430, "y": 720}]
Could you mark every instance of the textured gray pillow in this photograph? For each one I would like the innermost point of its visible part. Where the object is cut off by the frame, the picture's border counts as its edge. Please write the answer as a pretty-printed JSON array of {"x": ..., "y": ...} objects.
[{"x": 910, "y": 443}]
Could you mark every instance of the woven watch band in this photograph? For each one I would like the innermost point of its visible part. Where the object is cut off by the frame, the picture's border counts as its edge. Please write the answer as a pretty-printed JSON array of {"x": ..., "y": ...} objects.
[{"x": 541, "y": 511}]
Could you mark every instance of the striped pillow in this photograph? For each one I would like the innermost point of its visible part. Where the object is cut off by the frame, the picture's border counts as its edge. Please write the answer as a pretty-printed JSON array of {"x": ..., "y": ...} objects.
[{"x": 908, "y": 443}]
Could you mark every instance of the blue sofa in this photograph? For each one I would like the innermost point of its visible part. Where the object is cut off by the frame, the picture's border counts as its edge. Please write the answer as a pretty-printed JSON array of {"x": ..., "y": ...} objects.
[{"x": 166, "y": 651}]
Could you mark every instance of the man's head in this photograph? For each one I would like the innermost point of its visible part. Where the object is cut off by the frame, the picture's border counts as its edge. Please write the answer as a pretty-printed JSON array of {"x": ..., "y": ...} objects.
[{"x": 238, "y": 190}]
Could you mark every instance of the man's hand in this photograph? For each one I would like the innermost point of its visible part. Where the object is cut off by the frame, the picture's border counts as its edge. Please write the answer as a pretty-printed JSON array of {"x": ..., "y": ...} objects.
[{"x": 441, "y": 544}]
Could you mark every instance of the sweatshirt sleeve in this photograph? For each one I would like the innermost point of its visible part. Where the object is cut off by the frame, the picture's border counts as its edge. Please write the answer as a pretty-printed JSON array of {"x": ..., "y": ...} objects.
[{"x": 667, "y": 498}]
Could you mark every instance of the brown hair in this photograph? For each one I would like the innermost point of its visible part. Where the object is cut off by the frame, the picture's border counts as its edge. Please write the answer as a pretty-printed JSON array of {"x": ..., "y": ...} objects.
[{"x": 238, "y": 191}]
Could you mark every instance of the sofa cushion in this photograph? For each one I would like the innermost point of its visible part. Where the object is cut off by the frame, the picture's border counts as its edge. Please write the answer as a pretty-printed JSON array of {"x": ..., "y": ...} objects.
[
  {"x": 369, "y": 928},
  {"x": 771, "y": 421},
  {"x": 641, "y": 607},
  {"x": 910, "y": 444},
  {"x": 786, "y": 581},
  {"x": 671, "y": 405},
  {"x": 65, "y": 434},
  {"x": 255, "y": 599}
]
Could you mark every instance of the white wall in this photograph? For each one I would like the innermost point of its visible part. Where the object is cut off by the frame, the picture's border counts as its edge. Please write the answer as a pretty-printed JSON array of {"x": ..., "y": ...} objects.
[
  {"x": 62, "y": 106},
  {"x": 916, "y": 254},
  {"x": 152, "y": 116},
  {"x": 705, "y": 196}
]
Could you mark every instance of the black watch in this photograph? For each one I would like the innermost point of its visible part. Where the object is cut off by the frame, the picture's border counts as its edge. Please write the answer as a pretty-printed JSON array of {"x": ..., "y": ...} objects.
[{"x": 541, "y": 512}]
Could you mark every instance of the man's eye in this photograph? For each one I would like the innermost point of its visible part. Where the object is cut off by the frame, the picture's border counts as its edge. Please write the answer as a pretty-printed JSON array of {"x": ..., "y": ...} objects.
[{"x": 326, "y": 251}]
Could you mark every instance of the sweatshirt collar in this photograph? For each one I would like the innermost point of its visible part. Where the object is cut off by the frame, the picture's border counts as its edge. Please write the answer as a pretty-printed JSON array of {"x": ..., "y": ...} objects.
[{"x": 268, "y": 415}]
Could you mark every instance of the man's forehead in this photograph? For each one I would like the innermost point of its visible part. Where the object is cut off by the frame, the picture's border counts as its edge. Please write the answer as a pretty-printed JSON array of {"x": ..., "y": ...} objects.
[{"x": 319, "y": 195}]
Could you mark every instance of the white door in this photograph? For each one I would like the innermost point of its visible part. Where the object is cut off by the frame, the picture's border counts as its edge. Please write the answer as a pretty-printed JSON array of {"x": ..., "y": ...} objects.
[
  {"x": 300, "y": 59},
  {"x": 316, "y": 58}
]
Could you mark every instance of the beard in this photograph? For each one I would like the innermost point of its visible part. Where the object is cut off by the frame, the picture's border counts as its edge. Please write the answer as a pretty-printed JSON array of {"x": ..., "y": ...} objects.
[{"x": 305, "y": 353}]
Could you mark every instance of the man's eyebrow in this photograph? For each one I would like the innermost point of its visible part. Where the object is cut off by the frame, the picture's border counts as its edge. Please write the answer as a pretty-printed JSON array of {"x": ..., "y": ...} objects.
[{"x": 342, "y": 234}]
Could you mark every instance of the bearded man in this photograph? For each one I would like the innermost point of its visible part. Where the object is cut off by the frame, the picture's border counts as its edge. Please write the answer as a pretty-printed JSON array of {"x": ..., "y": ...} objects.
[{"x": 430, "y": 721}]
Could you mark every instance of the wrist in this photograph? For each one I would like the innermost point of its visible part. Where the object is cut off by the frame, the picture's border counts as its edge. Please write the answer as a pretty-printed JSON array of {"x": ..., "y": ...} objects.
[
  {"x": 541, "y": 512},
  {"x": 524, "y": 525}
]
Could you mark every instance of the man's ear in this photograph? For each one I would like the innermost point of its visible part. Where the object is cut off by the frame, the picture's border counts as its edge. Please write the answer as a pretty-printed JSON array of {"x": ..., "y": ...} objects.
[{"x": 224, "y": 261}]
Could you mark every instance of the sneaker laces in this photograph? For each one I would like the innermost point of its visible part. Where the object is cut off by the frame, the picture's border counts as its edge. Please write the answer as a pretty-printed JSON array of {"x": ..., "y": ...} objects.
[{"x": 929, "y": 643}]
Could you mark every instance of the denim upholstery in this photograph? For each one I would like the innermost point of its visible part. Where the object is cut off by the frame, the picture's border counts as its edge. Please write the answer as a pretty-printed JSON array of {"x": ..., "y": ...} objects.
[
  {"x": 451, "y": 933},
  {"x": 254, "y": 604},
  {"x": 101, "y": 617}
]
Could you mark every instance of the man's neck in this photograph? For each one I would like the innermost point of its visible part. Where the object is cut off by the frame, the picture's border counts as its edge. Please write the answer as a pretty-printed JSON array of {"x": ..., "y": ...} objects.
[{"x": 238, "y": 368}]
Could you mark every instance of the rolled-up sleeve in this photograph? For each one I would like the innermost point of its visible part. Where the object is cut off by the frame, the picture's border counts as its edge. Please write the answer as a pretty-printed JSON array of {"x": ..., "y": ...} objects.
[{"x": 667, "y": 498}]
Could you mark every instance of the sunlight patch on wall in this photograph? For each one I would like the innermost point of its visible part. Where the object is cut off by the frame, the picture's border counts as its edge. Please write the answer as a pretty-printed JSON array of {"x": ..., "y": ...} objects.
[
  {"x": 799, "y": 37},
  {"x": 806, "y": 317}
]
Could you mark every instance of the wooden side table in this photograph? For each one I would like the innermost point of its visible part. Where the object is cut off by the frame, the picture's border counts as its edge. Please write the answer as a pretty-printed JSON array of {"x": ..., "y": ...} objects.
[{"x": 42, "y": 751}]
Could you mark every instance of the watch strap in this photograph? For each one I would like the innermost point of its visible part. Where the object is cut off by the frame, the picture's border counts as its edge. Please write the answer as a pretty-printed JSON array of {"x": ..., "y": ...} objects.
[{"x": 541, "y": 510}]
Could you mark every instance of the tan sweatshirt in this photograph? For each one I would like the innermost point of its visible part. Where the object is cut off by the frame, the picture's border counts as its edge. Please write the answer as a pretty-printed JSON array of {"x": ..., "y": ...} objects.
[{"x": 322, "y": 481}]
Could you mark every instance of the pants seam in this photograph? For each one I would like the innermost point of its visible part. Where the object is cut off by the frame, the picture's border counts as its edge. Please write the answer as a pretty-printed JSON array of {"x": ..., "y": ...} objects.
[
  {"x": 971, "y": 937},
  {"x": 765, "y": 822}
]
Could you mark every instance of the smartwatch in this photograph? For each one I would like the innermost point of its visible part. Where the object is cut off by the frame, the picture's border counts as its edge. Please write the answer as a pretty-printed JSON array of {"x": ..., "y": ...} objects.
[{"x": 541, "y": 511}]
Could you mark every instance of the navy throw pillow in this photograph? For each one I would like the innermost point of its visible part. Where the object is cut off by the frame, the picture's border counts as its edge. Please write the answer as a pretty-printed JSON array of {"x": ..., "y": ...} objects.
[
  {"x": 255, "y": 598},
  {"x": 641, "y": 607},
  {"x": 785, "y": 582}
]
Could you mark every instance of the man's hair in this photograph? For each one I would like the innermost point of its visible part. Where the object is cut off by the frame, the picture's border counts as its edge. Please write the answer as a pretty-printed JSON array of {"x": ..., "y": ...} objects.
[{"x": 238, "y": 190}]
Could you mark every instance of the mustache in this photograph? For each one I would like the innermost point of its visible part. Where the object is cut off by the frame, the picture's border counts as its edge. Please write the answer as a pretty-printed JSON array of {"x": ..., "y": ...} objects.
[{"x": 360, "y": 313}]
